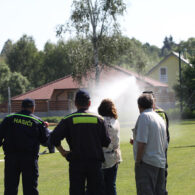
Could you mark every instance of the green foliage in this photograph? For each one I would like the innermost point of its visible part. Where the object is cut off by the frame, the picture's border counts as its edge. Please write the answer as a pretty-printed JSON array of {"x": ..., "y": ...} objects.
[
  {"x": 17, "y": 83},
  {"x": 93, "y": 20},
  {"x": 23, "y": 58},
  {"x": 5, "y": 76},
  {"x": 56, "y": 60},
  {"x": 187, "y": 89},
  {"x": 7, "y": 48},
  {"x": 188, "y": 114},
  {"x": 52, "y": 119},
  {"x": 169, "y": 45}
]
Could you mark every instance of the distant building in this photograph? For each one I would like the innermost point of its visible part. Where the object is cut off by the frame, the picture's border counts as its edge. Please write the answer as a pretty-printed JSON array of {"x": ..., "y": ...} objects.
[
  {"x": 57, "y": 97},
  {"x": 167, "y": 70}
]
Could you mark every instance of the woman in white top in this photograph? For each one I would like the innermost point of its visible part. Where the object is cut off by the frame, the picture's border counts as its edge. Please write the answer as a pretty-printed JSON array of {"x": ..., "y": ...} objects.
[{"x": 112, "y": 154}]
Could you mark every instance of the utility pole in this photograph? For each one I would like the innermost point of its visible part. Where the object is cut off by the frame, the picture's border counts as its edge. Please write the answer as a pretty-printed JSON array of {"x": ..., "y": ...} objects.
[
  {"x": 9, "y": 100},
  {"x": 180, "y": 82}
]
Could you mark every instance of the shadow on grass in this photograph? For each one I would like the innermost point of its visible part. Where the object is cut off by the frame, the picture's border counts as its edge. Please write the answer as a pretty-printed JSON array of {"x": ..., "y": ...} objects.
[{"x": 190, "y": 146}]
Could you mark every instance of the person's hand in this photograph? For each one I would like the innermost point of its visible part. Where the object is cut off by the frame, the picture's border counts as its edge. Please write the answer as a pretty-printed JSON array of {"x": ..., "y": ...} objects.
[
  {"x": 131, "y": 141},
  {"x": 64, "y": 153},
  {"x": 46, "y": 124}
]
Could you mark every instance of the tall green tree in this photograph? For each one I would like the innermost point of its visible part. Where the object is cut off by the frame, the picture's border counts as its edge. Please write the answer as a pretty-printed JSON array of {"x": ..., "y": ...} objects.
[
  {"x": 5, "y": 76},
  {"x": 6, "y": 48},
  {"x": 24, "y": 58},
  {"x": 18, "y": 84},
  {"x": 56, "y": 60},
  {"x": 16, "y": 81},
  {"x": 93, "y": 19},
  {"x": 168, "y": 46},
  {"x": 187, "y": 88}
]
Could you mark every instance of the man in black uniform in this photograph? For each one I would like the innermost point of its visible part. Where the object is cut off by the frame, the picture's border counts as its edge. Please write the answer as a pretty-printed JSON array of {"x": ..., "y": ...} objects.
[
  {"x": 163, "y": 114},
  {"x": 86, "y": 135},
  {"x": 21, "y": 134}
]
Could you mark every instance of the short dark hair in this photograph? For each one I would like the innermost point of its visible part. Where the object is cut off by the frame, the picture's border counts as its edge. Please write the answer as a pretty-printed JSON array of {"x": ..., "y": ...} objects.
[
  {"x": 107, "y": 108},
  {"x": 28, "y": 103},
  {"x": 82, "y": 98},
  {"x": 145, "y": 101}
]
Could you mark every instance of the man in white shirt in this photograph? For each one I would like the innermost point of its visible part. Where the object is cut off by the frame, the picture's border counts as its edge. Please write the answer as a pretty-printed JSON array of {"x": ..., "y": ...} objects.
[{"x": 149, "y": 147}]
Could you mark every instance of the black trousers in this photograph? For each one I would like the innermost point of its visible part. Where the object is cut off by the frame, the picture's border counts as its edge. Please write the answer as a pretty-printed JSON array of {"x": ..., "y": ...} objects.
[
  {"x": 25, "y": 164},
  {"x": 82, "y": 174}
]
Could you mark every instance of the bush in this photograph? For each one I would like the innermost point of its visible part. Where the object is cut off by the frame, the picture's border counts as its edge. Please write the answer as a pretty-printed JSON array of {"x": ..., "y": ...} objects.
[
  {"x": 174, "y": 113},
  {"x": 188, "y": 114},
  {"x": 52, "y": 119}
]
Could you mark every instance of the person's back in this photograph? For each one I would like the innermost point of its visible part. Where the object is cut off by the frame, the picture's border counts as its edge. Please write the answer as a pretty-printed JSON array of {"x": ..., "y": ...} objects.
[
  {"x": 149, "y": 149},
  {"x": 86, "y": 135},
  {"x": 21, "y": 135},
  {"x": 156, "y": 139}
]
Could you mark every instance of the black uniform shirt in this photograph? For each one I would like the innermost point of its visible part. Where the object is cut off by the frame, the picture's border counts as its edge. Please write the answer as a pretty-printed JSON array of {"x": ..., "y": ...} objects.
[
  {"x": 85, "y": 134},
  {"x": 22, "y": 132}
]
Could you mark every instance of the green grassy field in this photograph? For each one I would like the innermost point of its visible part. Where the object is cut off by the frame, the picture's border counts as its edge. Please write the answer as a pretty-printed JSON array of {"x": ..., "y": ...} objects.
[{"x": 53, "y": 169}]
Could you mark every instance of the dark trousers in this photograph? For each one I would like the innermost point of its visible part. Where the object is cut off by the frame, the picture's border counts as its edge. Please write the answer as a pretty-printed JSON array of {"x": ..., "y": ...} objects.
[
  {"x": 85, "y": 174},
  {"x": 166, "y": 173},
  {"x": 150, "y": 180},
  {"x": 110, "y": 180},
  {"x": 21, "y": 164}
]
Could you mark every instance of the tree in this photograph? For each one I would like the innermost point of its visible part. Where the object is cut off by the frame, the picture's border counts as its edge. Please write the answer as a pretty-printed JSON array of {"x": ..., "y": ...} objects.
[
  {"x": 56, "y": 60},
  {"x": 17, "y": 83},
  {"x": 5, "y": 75},
  {"x": 24, "y": 58},
  {"x": 168, "y": 46},
  {"x": 187, "y": 89},
  {"x": 94, "y": 19},
  {"x": 6, "y": 48}
]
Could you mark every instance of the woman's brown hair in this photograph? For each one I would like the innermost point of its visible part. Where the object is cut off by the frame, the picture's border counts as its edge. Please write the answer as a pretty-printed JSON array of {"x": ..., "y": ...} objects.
[{"x": 107, "y": 108}]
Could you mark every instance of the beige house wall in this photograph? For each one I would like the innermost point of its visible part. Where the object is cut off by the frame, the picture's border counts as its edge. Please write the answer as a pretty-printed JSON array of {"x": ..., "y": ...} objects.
[{"x": 172, "y": 66}]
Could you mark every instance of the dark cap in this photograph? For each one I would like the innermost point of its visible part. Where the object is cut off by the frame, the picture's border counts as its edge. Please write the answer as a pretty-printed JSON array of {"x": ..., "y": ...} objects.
[
  {"x": 148, "y": 92},
  {"x": 28, "y": 103},
  {"x": 82, "y": 94}
]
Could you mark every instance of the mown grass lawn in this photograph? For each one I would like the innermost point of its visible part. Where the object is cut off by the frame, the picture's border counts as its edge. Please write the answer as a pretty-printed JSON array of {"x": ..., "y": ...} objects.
[{"x": 53, "y": 169}]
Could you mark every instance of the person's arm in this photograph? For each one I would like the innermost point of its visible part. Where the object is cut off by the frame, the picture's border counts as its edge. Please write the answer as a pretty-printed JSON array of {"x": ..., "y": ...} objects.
[
  {"x": 140, "y": 151},
  {"x": 2, "y": 131},
  {"x": 62, "y": 151},
  {"x": 105, "y": 139}
]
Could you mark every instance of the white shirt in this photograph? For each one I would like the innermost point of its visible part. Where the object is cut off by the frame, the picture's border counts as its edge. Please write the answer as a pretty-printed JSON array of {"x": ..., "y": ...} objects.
[
  {"x": 112, "y": 153},
  {"x": 151, "y": 130}
]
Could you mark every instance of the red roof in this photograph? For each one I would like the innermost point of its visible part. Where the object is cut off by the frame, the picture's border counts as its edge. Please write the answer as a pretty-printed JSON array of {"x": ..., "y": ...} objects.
[{"x": 45, "y": 92}]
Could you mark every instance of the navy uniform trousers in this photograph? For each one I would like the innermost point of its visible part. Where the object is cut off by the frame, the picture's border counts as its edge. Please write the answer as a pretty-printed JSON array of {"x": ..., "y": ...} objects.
[
  {"x": 25, "y": 164},
  {"x": 84, "y": 175}
]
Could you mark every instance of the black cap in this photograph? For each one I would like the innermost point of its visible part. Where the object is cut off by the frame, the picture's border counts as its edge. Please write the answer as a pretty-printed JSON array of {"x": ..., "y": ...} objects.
[
  {"x": 148, "y": 92},
  {"x": 28, "y": 103},
  {"x": 82, "y": 94}
]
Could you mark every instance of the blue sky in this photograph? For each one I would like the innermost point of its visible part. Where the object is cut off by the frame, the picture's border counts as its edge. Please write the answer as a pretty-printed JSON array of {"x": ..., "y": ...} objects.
[{"x": 146, "y": 20}]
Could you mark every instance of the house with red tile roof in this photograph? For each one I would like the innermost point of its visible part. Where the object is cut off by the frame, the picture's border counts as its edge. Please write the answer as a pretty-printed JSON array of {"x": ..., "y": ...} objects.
[{"x": 57, "y": 97}]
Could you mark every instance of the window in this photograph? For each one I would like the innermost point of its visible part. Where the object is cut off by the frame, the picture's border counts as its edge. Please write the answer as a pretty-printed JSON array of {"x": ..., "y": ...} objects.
[{"x": 163, "y": 74}]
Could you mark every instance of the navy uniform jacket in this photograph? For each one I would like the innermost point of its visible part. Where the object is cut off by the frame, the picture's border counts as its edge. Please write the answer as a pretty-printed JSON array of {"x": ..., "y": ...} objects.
[
  {"x": 22, "y": 132},
  {"x": 85, "y": 134}
]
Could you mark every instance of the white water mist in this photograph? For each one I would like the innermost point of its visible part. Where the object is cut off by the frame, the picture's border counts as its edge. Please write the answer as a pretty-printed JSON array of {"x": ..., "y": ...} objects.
[{"x": 123, "y": 91}]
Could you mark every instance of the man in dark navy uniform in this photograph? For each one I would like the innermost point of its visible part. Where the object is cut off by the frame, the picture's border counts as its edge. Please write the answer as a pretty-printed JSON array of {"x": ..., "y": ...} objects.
[
  {"x": 21, "y": 135},
  {"x": 86, "y": 135}
]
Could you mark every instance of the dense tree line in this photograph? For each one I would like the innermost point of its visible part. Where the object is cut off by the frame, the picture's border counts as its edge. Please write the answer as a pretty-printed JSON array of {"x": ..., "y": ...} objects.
[{"x": 24, "y": 67}]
